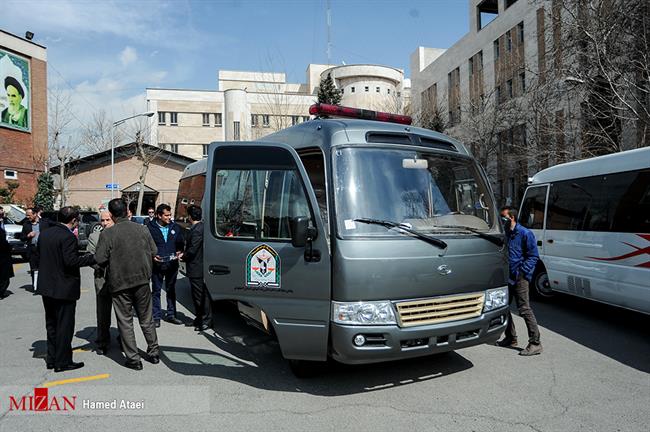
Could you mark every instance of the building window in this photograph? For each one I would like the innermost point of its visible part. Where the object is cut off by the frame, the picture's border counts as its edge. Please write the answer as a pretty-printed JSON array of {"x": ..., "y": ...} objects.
[
  {"x": 351, "y": 89},
  {"x": 254, "y": 120},
  {"x": 172, "y": 148},
  {"x": 509, "y": 40},
  {"x": 173, "y": 119},
  {"x": 388, "y": 91},
  {"x": 509, "y": 88},
  {"x": 470, "y": 66},
  {"x": 206, "y": 119},
  {"x": 486, "y": 12},
  {"x": 305, "y": 118},
  {"x": 342, "y": 90},
  {"x": 522, "y": 82},
  {"x": 366, "y": 89},
  {"x": 205, "y": 150},
  {"x": 377, "y": 89},
  {"x": 11, "y": 174},
  {"x": 497, "y": 94},
  {"x": 266, "y": 120},
  {"x": 217, "y": 119},
  {"x": 162, "y": 118},
  {"x": 236, "y": 131},
  {"x": 399, "y": 94},
  {"x": 294, "y": 120},
  {"x": 520, "y": 32},
  {"x": 510, "y": 3},
  {"x": 497, "y": 50}
]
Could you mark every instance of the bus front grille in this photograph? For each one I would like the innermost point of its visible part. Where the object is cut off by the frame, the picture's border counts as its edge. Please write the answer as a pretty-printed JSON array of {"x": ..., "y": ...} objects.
[{"x": 439, "y": 309}]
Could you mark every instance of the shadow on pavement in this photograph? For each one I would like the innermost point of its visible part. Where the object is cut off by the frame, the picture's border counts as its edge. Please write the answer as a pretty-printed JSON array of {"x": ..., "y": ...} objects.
[
  {"x": 249, "y": 356},
  {"x": 618, "y": 333}
]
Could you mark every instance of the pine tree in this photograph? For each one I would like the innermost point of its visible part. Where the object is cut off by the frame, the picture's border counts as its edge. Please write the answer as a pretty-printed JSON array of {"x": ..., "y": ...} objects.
[
  {"x": 45, "y": 193},
  {"x": 327, "y": 93}
]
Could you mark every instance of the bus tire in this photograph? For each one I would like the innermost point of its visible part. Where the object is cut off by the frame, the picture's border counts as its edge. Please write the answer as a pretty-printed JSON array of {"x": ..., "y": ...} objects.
[{"x": 541, "y": 284}]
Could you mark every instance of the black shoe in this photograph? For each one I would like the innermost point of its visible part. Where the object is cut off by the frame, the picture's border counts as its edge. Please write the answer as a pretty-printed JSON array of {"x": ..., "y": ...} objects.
[
  {"x": 102, "y": 350},
  {"x": 507, "y": 342},
  {"x": 202, "y": 327},
  {"x": 50, "y": 365},
  {"x": 154, "y": 359},
  {"x": 173, "y": 320},
  {"x": 134, "y": 365},
  {"x": 69, "y": 367},
  {"x": 156, "y": 323}
]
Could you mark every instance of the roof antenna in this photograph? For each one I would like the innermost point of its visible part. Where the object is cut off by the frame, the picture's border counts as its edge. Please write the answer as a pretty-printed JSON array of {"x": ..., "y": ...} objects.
[{"x": 329, "y": 38}]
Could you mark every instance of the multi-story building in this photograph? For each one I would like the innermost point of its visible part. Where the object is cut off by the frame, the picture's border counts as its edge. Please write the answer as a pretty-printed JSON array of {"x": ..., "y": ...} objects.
[
  {"x": 513, "y": 89},
  {"x": 23, "y": 115},
  {"x": 249, "y": 105}
]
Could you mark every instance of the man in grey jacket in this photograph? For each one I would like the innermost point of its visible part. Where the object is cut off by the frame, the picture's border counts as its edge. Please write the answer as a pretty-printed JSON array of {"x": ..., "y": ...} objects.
[
  {"x": 102, "y": 290},
  {"x": 128, "y": 250}
]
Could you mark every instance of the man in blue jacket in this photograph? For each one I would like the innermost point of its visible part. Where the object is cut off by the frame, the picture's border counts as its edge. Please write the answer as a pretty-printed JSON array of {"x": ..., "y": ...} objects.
[
  {"x": 522, "y": 259},
  {"x": 169, "y": 240}
]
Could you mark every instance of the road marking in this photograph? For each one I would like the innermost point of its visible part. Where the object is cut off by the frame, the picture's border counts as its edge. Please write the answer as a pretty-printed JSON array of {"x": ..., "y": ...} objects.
[
  {"x": 84, "y": 290},
  {"x": 80, "y": 350},
  {"x": 75, "y": 380}
]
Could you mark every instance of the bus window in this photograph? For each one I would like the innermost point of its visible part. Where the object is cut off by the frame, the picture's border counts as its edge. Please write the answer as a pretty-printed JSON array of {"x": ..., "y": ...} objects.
[{"x": 532, "y": 209}]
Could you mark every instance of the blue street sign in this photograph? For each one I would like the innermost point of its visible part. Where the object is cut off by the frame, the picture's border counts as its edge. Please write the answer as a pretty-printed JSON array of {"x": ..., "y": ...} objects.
[{"x": 110, "y": 186}]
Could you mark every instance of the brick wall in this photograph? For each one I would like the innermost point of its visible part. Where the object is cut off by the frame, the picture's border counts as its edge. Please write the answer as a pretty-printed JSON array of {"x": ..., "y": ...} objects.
[{"x": 26, "y": 152}]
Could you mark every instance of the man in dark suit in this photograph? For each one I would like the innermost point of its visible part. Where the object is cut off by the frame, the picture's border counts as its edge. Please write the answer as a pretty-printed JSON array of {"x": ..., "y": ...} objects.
[
  {"x": 32, "y": 229},
  {"x": 168, "y": 237},
  {"x": 6, "y": 265},
  {"x": 193, "y": 256},
  {"x": 60, "y": 285}
]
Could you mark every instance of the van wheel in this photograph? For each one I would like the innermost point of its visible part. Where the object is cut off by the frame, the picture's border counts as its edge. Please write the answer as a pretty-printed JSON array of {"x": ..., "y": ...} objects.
[
  {"x": 542, "y": 284},
  {"x": 305, "y": 368}
]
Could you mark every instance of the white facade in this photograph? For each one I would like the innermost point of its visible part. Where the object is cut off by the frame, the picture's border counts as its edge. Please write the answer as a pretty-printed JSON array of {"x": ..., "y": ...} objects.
[{"x": 249, "y": 105}]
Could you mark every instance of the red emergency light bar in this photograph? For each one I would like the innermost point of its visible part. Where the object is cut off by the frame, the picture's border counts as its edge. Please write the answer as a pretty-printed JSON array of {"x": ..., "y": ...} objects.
[{"x": 357, "y": 113}]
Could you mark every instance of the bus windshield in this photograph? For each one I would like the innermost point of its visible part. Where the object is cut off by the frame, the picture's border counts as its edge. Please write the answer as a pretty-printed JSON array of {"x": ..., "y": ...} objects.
[{"x": 424, "y": 191}]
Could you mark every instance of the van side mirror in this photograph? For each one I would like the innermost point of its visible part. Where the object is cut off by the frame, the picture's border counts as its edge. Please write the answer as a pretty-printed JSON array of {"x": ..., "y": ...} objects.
[{"x": 299, "y": 231}]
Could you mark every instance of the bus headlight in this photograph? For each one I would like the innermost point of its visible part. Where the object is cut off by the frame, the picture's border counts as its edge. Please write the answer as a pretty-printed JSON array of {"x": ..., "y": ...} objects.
[
  {"x": 363, "y": 313},
  {"x": 496, "y": 298}
]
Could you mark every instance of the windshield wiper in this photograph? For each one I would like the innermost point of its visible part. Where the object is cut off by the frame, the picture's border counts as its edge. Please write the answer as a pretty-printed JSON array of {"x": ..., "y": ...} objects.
[
  {"x": 489, "y": 237},
  {"x": 388, "y": 224}
]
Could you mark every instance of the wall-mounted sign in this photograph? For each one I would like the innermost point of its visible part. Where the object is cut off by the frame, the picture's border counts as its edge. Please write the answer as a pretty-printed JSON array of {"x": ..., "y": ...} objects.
[{"x": 16, "y": 92}]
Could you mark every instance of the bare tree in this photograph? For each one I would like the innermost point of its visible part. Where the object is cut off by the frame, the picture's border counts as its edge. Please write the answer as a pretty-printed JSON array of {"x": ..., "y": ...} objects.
[
  {"x": 98, "y": 134},
  {"x": 60, "y": 117}
]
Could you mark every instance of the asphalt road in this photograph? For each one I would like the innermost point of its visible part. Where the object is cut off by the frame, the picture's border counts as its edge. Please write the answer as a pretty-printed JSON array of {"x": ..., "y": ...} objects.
[{"x": 594, "y": 375}]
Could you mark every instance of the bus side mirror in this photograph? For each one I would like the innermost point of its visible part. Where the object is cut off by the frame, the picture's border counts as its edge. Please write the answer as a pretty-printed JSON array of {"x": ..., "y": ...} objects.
[{"x": 299, "y": 231}]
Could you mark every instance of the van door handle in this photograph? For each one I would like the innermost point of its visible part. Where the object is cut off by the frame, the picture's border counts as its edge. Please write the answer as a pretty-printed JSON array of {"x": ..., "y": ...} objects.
[
  {"x": 550, "y": 241},
  {"x": 539, "y": 242},
  {"x": 218, "y": 270}
]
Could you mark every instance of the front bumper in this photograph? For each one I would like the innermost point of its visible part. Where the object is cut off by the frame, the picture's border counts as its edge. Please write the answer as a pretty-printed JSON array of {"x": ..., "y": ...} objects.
[{"x": 386, "y": 343}]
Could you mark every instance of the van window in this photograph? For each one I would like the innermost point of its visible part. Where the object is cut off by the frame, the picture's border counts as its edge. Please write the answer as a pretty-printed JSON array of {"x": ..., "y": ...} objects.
[
  {"x": 426, "y": 190},
  {"x": 314, "y": 164},
  {"x": 258, "y": 204},
  {"x": 532, "y": 209}
]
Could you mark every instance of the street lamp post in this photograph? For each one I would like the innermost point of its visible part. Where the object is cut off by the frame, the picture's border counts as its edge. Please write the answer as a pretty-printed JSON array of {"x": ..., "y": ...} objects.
[{"x": 115, "y": 125}]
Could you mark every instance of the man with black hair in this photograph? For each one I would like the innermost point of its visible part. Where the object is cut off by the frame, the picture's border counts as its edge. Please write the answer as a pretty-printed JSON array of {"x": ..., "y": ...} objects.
[
  {"x": 60, "y": 285},
  {"x": 128, "y": 250},
  {"x": 522, "y": 259},
  {"x": 193, "y": 256},
  {"x": 133, "y": 209},
  {"x": 32, "y": 229},
  {"x": 168, "y": 237}
]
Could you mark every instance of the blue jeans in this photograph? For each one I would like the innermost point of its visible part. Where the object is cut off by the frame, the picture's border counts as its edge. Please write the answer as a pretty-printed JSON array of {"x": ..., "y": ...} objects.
[{"x": 169, "y": 275}]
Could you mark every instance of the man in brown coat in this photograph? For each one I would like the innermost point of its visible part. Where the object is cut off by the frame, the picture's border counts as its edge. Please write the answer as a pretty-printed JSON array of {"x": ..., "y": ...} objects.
[{"x": 128, "y": 250}]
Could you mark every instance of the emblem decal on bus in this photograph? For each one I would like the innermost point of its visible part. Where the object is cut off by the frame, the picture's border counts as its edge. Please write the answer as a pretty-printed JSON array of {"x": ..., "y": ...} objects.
[
  {"x": 263, "y": 267},
  {"x": 444, "y": 270}
]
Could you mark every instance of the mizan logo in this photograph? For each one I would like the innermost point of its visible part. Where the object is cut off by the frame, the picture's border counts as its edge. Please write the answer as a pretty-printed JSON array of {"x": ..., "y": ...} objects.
[
  {"x": 263, "y": 267},
  {"x": 41, "y": 401}
]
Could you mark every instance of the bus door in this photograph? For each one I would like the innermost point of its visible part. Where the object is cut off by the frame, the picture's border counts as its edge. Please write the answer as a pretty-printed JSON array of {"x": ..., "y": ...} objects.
[
  {"x": 533, "y": 214},
  {"x": 265, "y": 244}
]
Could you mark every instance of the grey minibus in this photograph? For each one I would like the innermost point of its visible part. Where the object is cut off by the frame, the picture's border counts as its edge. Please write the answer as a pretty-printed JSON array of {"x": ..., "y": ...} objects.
[{"x": 358, "y": 240}]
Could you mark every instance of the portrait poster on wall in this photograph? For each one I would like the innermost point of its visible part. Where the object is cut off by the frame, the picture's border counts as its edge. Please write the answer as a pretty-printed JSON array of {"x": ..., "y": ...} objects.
[{"x": 15, "y": 95}]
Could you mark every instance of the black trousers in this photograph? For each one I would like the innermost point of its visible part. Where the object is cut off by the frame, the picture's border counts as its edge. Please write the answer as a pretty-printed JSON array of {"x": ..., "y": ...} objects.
[
  {"x": 104, "y": 307},
  {"x": 59, "y": 323},
  {"x": 201, "y": 301},
  {"x": 520, "y": 292},
  {"x": 124, "y": 302},
  {"x": 4, "y": 284}
]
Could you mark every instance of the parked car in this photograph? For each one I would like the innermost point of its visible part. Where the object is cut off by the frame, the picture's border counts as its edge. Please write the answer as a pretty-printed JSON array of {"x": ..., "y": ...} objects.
[
  {"x": 15, "y": 217},
  {"x": 89, "y": 223}
]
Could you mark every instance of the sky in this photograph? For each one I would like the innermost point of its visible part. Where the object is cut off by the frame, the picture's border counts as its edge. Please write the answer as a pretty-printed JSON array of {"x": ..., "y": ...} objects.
[{"x": 104, "y": 54}]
